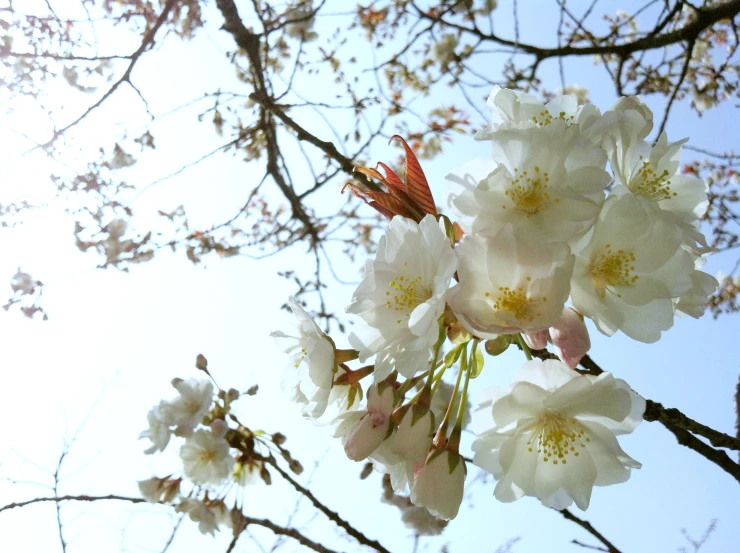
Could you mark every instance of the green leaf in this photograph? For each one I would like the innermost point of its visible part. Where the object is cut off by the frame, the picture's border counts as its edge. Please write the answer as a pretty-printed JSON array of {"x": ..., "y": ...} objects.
[
  {"x": 453, "y": 355},
  {"x": 476, "y": 361}
]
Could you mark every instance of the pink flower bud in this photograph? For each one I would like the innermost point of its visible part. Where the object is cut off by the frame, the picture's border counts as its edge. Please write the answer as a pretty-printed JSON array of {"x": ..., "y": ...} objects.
[
  {"x": 570, "y": 337},
  {"x": 536, "y": 340}
]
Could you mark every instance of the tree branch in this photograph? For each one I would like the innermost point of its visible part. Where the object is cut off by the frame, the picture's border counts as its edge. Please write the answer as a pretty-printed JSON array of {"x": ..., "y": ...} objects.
[
  {"x": 145, "y": 43},
  {"x": 704, "y": 18},
  {"x": 610, "y": 547},
  {"x": 71, "y": 498},
  {"x": 332, "y": 515}
]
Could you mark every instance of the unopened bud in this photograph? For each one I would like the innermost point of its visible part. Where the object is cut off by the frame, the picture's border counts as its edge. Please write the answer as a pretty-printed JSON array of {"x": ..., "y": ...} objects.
[
  {"x": 171, "y": 488},
  {"x": 536, "y": 340},
  {"x": 252, "y": 390},
  {"x": 265, "y": 475},
  {"x": 570, "y": 337},
  {"x": 295, "y": 466},
  {"x": 219, "y": 427},
  {"x": 366, "y": 471},
  {"x": 278, "y": 438},
  {"x": 232, "y": 394},
  {"x": 201, "y": 363},
  {"x": 457, "y": 334},
  {"x": 238, "y": 521},
  {"x": 498, "y": 345}
]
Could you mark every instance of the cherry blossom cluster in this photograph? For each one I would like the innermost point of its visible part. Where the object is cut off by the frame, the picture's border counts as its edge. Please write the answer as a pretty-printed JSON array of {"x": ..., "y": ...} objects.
[
  {"x": 575, "y": 215},
  {"x": 219, "y": 455}
]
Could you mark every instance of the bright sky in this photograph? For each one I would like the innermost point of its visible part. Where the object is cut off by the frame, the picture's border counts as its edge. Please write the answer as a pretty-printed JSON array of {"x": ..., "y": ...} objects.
[{"x": 114, "y": 341}]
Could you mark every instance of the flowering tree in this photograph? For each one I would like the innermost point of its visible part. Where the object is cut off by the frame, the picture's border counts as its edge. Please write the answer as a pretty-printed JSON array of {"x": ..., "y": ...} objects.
[{"x": 576, "y": 215}]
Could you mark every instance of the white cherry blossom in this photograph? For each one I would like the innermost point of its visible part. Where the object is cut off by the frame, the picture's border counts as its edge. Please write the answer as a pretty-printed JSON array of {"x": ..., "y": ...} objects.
[
  {"x": 550, "y": 182},
  {"x": 206, "y": 458},
  {"x": 159, "y": 429},
  {"x": 514, "y": 109},
  {"x": 187, "y": 410},
  {"x": 652, "y": 172},
  {"x": 401, "y": 296},
  {"x": 209, "y": 514},
  {"x": 693, "y": 303},
  {"x": 510, "y": 283},
  {"x": 156, "y": 490},
  {"x": 626, "y": 276},
  {"x": 554, "y": 435},
  {"x": 309, "y": 380}
]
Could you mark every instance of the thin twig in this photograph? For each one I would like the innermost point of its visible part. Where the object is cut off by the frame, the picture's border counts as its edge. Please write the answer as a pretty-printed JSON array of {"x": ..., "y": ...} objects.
[
  {"x": 332, "y": 515},
  {"x": 610, "y": 547}
]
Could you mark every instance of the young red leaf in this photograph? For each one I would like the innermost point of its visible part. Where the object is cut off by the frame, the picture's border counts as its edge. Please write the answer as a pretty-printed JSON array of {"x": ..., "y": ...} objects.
[{"x": 416, "y": 183}]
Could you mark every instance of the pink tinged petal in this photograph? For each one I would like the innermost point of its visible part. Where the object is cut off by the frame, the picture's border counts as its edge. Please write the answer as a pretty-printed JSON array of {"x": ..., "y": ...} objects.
[
  {"x": 536, "y": 340},
  {"x": 524, "y": 401},
  {"x": 365, "y": 438},
  {"x": 570, "y": 337}
]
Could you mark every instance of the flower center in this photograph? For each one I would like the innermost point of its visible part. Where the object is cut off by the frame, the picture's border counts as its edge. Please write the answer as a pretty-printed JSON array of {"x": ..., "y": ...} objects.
[
  {"x": 529, "y": 192},
  {"x": 653, "y": 186},
  {"x": 406, "y": 293},
  {"x": 544, "y": 118},
  {"x": 612, "y": 268},
  {"x": 556, "y": 436},
  {"x": 516, "y": 302},
  {"x": 207, "y": 456}
]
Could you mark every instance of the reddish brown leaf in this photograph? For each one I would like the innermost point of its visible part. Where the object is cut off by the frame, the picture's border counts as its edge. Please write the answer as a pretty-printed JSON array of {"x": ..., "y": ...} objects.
[
  {"x": 382, "y": 202},
  {"x": 392, "y": 180},
  {"x": 417, "y": 186}
]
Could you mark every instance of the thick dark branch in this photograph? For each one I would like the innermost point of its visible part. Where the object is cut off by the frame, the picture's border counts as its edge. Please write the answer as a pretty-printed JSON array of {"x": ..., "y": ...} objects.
[
  {"x": 250, "y": 43},
  {"x": 703, "y": 19},
  {"x": 718, "y": 457},
  {"x": 590, "y": 529},
  {"x": 332, "y": 515},
  {"x": 671, "y": 417}
]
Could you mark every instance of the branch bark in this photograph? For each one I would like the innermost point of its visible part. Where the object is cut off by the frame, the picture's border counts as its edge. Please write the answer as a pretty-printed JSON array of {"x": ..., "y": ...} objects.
[
  {"x": 704, "y": 18},
  {"x": 332, "y": 515}
]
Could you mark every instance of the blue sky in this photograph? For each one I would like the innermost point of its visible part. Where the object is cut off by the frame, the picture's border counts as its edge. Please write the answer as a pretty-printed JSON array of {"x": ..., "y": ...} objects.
[{"x": 114, "y": 341}]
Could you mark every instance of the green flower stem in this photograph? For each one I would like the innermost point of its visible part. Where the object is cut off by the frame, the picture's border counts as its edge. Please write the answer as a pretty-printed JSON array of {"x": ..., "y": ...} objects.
[
  {"x": 524, "y": 346},
  {"x": 438, "y": 379},
  {"x": 438, "y": 346},
  {"x": 454, "y": 442},
  {"x": 441, "y": 438},
  {"x": 411, "y": 382}
]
